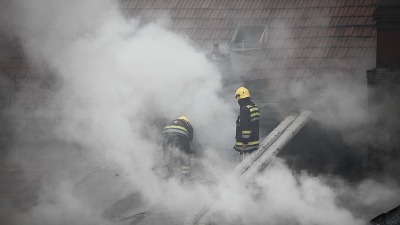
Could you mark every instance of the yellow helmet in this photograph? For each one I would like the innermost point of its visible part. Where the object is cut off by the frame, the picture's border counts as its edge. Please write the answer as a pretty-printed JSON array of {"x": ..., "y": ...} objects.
[
  {"x": 241, "y": 93},
  {"x": 184, "y": 118}
]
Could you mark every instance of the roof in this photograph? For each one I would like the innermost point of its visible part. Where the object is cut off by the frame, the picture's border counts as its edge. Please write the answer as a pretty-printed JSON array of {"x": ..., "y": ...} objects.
[{"x": 303, "y": 37}]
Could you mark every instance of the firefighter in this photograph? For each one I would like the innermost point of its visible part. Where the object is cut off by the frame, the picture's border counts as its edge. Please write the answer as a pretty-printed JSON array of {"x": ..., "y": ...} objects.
[
  {"x": 178, "y": 134},
  {"x": 247, "y": 124}
]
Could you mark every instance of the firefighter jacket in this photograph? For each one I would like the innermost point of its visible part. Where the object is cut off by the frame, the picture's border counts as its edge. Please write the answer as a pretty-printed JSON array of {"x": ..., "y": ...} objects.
[
  {"x": 247, "y": 126},
  {"x": 178, "y": 133}
]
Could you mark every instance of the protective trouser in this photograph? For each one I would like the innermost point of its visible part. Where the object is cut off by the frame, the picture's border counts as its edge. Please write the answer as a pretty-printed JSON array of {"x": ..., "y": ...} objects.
[
  {"x": 243, "y": 155},
  {"x": 176, "y": 158}
]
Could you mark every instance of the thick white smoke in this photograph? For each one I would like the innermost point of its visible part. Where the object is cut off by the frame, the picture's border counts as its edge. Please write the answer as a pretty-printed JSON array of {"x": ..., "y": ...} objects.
[
  {"x": 98, "y": 138},
  {"x": 115, "y": 80}
]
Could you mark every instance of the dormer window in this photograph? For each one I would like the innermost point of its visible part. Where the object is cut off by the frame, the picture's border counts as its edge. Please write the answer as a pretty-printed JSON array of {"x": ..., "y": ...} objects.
[{"x": 248, "y": 38}]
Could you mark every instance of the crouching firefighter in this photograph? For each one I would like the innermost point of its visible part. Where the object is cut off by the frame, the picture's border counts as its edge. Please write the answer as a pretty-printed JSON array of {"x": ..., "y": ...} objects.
[
  {"x": 247, "y": 124},
  {"x": 178, "y": 157}
]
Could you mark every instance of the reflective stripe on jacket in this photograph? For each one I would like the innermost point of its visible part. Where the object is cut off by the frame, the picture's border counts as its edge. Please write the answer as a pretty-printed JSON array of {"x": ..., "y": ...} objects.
[
  {"x": 251, "y": 146},
  {"x": 175, "y": 129},
  {"x": 179, "y": 127}
]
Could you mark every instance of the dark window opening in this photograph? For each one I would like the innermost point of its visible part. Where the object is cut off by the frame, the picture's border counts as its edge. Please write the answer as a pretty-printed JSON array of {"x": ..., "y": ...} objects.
[{"x": 248, "y": 38}]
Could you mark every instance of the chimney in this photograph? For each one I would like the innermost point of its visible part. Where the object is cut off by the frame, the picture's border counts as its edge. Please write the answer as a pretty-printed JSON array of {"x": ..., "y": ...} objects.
[
  {"x": 215, "y": 50},
  {"x": 387, "y": 17},
  {"x": 384, "y": 86}
]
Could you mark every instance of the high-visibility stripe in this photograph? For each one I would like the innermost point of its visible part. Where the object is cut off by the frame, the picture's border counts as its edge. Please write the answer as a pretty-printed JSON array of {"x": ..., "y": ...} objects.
[
  {"x": 175, "y": 127},
  {"x": 175, "y": 131},
  {"x": 253, "y": 109},
  {"x": 248, "y": 144},
  {"x": 255, "y": 114},
  {"x": 249, "y": 148},
  {"x": 185, "y": 169},
  {"x": 246, "y": 134}
]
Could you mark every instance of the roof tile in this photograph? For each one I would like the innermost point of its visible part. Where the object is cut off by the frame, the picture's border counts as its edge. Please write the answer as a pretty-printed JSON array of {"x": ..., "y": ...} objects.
[
  {"x": 148, "y": 3},
  {"x": 258, "y": 4},
  {"x": 305, "y": 33},
  {"x": 199, "y": 14},
  {"x": 214, "y": 13},
  {"x": 243, "y": 5},
  {"x": 132, "y": 4},
  {"x": 181, "y": 13},
  {"x": 159, "y": 4},
  {"x": 348, "y": 31},
  {"x": 221, "y": 13},
  {"x": 356, "y": 31},
  {"x": 271, "y": 4},
  {"x": 351, "y": 11},
  {"x": 190, "y": 13},
  {"x": 305, "y": 42},
  {"x": 369, "y": 10},
  {"x": 189, "y": 4},
  {"x": 360, "y": 11},
  {"x": 317, "y": 52},
  {"x": 321, "y": 42},
  {"x": 373, "y": 32},
  {"x": 248, "y": 4},
  {"x": 172, "y": 4},
  {"x": 140, "y": 3},
  {"x": 123, "y": 4},
  {"x": 187, "y": 23},
  {"x": 195, "y": 4},
  {"x": 362, "y": 20},
  {"x": 227, "y": 4},
  {"x": 237, "y": 4},
  {"x": 343, "y": 11},
  {"x": 205, "y": 4}
]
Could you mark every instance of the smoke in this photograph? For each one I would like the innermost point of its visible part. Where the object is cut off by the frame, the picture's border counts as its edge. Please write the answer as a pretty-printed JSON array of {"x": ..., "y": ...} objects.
[
  {"x": 282, "y": 196},
  {"x": 365, "y": 117},
  {"x": 338, "y": 103},
  {"x": 88, "y": 154},
  {"x": 96, "y": 140},
  {"x": 345, "y": 106}
]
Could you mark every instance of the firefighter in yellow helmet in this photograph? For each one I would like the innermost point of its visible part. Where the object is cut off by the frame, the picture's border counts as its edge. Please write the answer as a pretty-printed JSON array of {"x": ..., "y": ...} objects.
[
  {"x": 247, "y": 124},
  {"x": 178, "y": 134}
]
